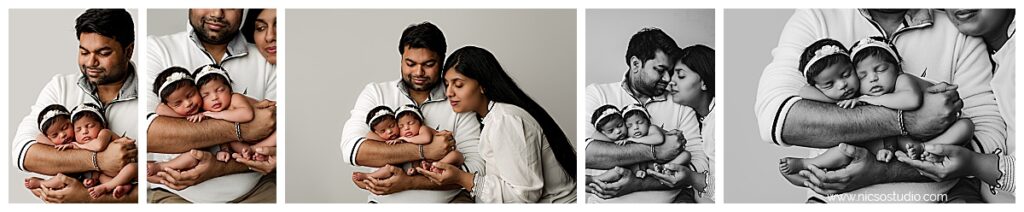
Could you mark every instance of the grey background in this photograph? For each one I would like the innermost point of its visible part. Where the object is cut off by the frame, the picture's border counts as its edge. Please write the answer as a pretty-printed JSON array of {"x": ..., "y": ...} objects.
[
  {"x": 166, "y": 21},
  {"x": 335, "y": 53},
  {"x": 608, "y": 33},
  {"x": 42, "y": 44},
  {"x": 751, "y": 164}
]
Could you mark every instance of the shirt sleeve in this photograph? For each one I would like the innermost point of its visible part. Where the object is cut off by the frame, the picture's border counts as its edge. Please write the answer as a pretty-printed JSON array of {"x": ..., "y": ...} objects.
[
  {"x": 354, "y": 131},
  {"x": 519, "y": 179},
  {"x": 973, "y": 74},
  {"x": 780, "y": 83},
  {"x": 156, "y": 61},
  {"x": 27, "y": 129},
  {"x": 690, "y": 127},
  {"x": 271, "y": 92},
  {"x": 467, "y": 140}
]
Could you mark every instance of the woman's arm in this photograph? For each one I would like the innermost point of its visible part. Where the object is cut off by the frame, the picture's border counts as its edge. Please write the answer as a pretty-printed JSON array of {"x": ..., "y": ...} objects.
[
  {"x": 425, "y": 136},
  {"x": 654, "y": 136},
  {"x": 521, "y": 169},
  {"x": 907, "y": 95},
  {"x": 164, "y": 110},
  {"x": 240, "y": 110},
  {"x": 812, "y": 93}
]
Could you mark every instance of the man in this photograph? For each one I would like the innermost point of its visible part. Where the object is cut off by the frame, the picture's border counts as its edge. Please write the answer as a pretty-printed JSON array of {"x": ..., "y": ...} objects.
[
  {"x": 786, "y": 119},
  {"x": 106, "y": 41},
  {"x": 646, "y": 80},
  {"x": 211, "y": 38},
  {"x": 422, "y": 47}
]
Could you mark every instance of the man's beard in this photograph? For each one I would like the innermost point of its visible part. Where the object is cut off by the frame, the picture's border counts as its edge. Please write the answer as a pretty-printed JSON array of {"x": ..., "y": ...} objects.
[
  {"x": 649, "y": 88},
  {"x": 205, "y": 37},
  {"x": 408, "y": 84},
  {"x": 106, "y": 78}
]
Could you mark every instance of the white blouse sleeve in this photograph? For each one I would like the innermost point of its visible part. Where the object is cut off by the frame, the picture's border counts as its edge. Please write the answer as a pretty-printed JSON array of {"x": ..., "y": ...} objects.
[{"x": 519, "y": 176}]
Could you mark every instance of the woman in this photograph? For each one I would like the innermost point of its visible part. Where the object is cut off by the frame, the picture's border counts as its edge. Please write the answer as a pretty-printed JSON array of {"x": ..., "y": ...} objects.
[
  {"x": 693, "y": 85},
  {"x": 527, "y": 157},
  {"x": 260, "y": 28}
]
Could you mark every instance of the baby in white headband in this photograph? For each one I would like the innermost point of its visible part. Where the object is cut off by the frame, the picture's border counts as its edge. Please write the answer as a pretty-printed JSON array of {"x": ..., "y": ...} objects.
[
  {"x": 406, "y": 125},
  {"x": 221, "y": 102}
]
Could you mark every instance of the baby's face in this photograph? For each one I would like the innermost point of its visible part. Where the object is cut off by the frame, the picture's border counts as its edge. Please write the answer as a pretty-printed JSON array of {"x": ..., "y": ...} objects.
[
  {"x": 185, "y": 101},
  {"x": 409, "y": 125},
  {"x": 86, "y": 129},
  {"x": 838, "y": 82},
  {"x": 637, "y": 126},
  {"x": 877, "y": 77},
  {"x": 216, "y": 96},
  {"x": 60, "y": 131},
  {"x": 614, "y": 128},
  {"x": 386, "y": 129}
]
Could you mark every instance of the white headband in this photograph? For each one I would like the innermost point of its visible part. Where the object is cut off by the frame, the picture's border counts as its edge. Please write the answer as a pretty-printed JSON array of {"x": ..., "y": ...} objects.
[
  {"x": 88, "y": 108},
  {"x": 409, "y": 108},
  {"x": 607, "y": 112},
  {"x": 633, "y": 107},
  {"x": 379, "y": 114},
  {"x": 176, "y": 76},
  {"x": 49, "y": 115},
  {"x": 207, "y": 70},
  {"x": 823, "y": 52},
  {"x": 868, "y": 42}
]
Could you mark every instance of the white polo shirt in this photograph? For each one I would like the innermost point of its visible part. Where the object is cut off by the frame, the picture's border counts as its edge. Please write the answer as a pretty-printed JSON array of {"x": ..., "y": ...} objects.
[
  {"x": 664, "y": 113},
  {"x": 72, "y": 90},
  {"x": 439, "y": 115},
  {"x": 960, "y": 60},
  {"x": 251, "y": 74}
]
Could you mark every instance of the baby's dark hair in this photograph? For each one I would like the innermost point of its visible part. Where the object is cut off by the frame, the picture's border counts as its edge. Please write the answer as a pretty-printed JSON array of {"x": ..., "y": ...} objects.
[
  {"x": 162, "y": 77},
  {"x": 597, "y": 115},
  {"x": 90, "y": 114},
  {"x": 879, "y": 53},
  {"x": 212, "y": 77},
  {"x": 409, "y": 113},
  {"x": 822, "y": 63},
  {"x": 369, "y": 116},
  {"x": 46, "y": 123}
]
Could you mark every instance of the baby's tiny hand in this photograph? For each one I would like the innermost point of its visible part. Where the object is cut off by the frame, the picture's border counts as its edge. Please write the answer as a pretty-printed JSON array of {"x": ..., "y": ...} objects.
[
  {"x": 211, "y": 114},
  {"x": 195, "y": 118},
  {"x": 621, "y": 142},
  {"x": 849, "y": 103},
  {"x": 62, "y": 147},
  {"x": 393, "y": 141}
]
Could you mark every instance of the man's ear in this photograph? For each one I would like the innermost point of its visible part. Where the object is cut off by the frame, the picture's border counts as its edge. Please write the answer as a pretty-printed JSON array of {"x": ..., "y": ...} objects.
[
  {"x": 129, "y": 50},
  {"x": 635, "y": 64}
]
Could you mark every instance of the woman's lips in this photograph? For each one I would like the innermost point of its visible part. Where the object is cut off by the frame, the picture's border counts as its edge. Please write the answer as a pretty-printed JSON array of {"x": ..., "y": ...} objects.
[
  {"x": 272, "y": 49},
  {"x": 965, "y": 14}
]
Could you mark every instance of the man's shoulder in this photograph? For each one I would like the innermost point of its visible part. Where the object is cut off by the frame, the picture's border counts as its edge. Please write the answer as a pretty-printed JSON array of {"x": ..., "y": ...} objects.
[{"x": 167, "y": 40}]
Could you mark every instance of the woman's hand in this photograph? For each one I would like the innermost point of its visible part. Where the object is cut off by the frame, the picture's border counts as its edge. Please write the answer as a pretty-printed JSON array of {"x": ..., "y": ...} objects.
[
  {"x": 955, "y": 162},
  {"x": 674, "y": 175},
  {"x": 263, "y": 167},
  {"x": 447, "y": 174}
]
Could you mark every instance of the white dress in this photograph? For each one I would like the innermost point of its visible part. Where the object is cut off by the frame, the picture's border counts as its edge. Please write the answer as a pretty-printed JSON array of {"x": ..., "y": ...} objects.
[{"x": 519, "y": 165}]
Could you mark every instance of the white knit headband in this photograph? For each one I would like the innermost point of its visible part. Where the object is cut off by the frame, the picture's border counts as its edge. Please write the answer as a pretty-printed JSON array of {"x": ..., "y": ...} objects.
[
  {"x": 633, "y": 107},
  {"x": 409, "y": 108},
  {"x": 606, "y": 114},
  {"x": 868, "y": 42},
  {"x": 88, "y": 108},
  {"x": 175, "y": 77},
  {"x": 379, "y": 114},
  {"x": 207, "y": 70},
  {"x": 49, "y": 115},
  {"x": 824, "y": 51}
]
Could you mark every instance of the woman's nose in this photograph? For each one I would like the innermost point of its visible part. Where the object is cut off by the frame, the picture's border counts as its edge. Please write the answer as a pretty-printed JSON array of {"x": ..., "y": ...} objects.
[{"x": 271, "y": 35}]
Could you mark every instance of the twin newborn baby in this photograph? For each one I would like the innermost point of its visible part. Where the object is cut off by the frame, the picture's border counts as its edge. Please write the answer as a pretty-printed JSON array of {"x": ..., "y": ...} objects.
[{"x": 402, "y": 126}]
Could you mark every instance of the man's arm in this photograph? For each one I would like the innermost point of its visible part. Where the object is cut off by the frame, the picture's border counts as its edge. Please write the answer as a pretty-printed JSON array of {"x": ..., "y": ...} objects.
[
  {"x": 44, "y": 159},
  {"x": 811, "y": 127},
  {"x": 176, "y": 135}
]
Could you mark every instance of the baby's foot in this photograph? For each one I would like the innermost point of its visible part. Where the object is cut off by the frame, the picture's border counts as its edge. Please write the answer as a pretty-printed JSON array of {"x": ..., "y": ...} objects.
[
  {"x": 884, "y": 155},
  {"x": 259, "y": 157},
  {"x": 410, "y": 171},
  {"x": 152, "y": 169},
  {"x": 198, "y": 155},
  {"x": 89, "y": 182},
  {"x": 33, "y": 182},
  {"x": 122, "y": 190},
  {"x": 791, "y": 165},
  {"x": 915, "y": 150},
  {"x": 223, "y": 156},
  {"x": 97, "y": 191},
  {"x": 641, "y": 174}
]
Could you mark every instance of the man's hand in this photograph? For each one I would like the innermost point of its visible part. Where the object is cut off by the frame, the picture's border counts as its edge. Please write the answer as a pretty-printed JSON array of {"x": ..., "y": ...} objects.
[
  {"x": 669, "y": 149},
  {"x": 862, "y": 171},
  {"x": 613, "y": 183},
  {"x": 939, "y": 109},
  {"x": 441, "y": 145},
  {"x": 263, "y": 167},
  {"x": 955, "y": 162},
  {"x": 262, "y": 104},
  {"x": 73, "y": 191},
  {"x": 263, "y": 122},
  {"x": 118, "y": 154},
  {"x": 390, "y": 185},
  {"x": 203, "y": 171}
]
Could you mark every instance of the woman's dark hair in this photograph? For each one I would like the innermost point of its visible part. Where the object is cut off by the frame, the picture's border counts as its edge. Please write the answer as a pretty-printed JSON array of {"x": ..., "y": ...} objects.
[
  {"x": 373, "y": 111},
  {"x": 95, "y": 116},
  {"x": 423, "y": 35},
  {"x": 113, "y": 23},
  {"x": 212, "y": 77},
  {"x": 480, "y": 65},
  {"x": 879, "y": 53},
  {"x": 597, "y": 115},
  {"x": 162, "y": 77},
  {"x": 701, "y": 59},
  {"x": 249, "y": 24},
  {"x": 822, "y": 63},
  {"x": 46, "y": 123},
  {"x": 645, "y": 44}
]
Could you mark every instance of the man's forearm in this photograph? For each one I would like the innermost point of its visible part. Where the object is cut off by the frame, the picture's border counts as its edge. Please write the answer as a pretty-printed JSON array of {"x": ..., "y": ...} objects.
[
  {"x": 44, "y": 159},
  {"x": 605, "y": 155},
  {"x": 377, "y": 154},
  {"x": 174, "y": 135},
  {"x": 821, "y": 125}
]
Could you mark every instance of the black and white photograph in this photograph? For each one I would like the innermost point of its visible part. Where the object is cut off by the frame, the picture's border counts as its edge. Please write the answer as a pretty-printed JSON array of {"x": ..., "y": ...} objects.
[
  {"x": 650, "y": 115},
  {"x": 870, "y": 105}
]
